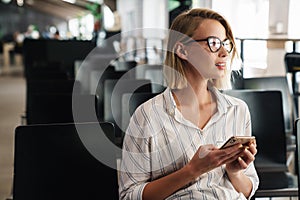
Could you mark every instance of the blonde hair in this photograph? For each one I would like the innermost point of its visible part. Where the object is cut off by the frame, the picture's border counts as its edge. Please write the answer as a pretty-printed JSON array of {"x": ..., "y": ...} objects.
[{"x": 181, "y": 29}]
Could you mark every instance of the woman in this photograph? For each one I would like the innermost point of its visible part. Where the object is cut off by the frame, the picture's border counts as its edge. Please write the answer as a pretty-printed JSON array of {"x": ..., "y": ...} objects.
[{"x": 171, "y": 147}]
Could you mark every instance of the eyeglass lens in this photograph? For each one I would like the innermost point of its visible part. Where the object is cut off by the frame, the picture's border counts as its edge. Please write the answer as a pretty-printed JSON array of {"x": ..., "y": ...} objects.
[{"x": 215, "y": 44}]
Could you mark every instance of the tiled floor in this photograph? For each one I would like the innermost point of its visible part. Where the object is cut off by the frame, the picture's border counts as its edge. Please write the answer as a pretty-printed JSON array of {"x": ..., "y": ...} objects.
[{"x": 12, "y": 103}]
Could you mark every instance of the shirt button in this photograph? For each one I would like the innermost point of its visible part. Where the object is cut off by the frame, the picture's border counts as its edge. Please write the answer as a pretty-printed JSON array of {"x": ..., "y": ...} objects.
[{"x": 172, "y": 111}]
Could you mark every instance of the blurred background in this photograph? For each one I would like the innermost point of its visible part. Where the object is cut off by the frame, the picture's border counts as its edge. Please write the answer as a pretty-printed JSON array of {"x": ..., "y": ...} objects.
[{"x": 265, "y": 31}]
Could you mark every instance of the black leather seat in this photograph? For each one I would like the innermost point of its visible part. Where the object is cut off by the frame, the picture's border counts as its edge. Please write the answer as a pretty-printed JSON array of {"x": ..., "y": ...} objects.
[
  {"x": 268, "y": 126},
  {"x": 64, "y": 161},
  {"x": 276, "y": 83}
]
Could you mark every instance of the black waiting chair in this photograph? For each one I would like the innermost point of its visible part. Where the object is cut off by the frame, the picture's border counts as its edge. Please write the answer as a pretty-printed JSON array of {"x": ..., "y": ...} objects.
[
  {"x": 63, "y": 161},
  {"x": 292, "y": 66},
  {"x": 269, "y": 128},
  {"x": 54, "y": 55},
  {"x": 276, "y": 83},
  {"x": 289, "y": 109}
]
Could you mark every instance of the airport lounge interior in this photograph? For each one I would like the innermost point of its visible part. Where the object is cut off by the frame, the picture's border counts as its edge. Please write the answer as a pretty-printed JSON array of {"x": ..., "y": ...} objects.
[{"x": 85, "y": 85}]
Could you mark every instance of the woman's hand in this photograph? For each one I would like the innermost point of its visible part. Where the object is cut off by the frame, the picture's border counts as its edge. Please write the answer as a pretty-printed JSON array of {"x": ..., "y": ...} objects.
[
  {"x": 209, "y": 157},
  {"x": 239, "y": 180},
  {"x": 246, "y": 157}
]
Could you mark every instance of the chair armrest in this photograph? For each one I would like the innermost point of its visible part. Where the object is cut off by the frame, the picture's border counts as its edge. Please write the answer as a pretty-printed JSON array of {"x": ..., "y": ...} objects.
[{"x": 285, "y": 192}]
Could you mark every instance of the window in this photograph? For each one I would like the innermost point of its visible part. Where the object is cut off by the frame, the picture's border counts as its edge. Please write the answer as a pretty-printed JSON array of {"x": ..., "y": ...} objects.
[
  {"x": 82, "y": 28},
  {"x": 293, "y": 23},
  {"x": 248, "y": 19}
]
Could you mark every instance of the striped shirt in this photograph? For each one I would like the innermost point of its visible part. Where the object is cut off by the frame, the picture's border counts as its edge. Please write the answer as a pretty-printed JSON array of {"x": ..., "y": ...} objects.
[{"x": 159, "y": 141}]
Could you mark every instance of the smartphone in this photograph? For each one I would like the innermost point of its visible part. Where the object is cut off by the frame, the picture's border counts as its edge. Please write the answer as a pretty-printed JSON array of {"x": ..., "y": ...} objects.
[{"x": 238, "y": 140}]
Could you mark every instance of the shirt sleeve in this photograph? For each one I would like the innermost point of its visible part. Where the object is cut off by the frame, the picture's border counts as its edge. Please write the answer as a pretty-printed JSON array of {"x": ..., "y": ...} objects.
[
  {"x": 135, "y": 170},
  {"x": 250, "y": 171}
]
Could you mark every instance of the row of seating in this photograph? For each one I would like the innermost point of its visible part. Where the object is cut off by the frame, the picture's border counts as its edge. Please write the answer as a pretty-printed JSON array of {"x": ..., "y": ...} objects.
[
  {"x": 51, "y": 128},
  {"x": 50, "y": 73},
  {"x": 33, "y": 142},
  {"x": 50, "y": 77},
  {"x": 52, "y": 100}
]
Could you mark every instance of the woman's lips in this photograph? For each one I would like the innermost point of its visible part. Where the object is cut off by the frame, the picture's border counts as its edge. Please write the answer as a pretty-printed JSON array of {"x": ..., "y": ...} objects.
[{"x": 221, "y": 66}]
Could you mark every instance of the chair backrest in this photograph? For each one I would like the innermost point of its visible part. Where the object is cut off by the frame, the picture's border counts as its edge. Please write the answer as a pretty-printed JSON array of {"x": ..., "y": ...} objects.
[
  {"x": 40, "y": 52},
  {"x": 53, "y": 162},
  {"x": 292, "y": 66},
  {"x": 98, "y": 82},
  {"x": 113, "y": 91},
  {"x": 46, "y": 108},
  {"x": 237, "y": 79},
  {"x": 44, "y": 73},
  {"x": 268, "y": 128},
  {"x": 276, "y": 83},
  {"x": 51, "y": 86}
]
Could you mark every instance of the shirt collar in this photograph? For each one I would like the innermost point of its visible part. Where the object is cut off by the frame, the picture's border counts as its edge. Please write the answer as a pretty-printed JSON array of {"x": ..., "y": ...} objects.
[
  {"x": 224, "y": 102},
  {"x": 170, "y": 103}
]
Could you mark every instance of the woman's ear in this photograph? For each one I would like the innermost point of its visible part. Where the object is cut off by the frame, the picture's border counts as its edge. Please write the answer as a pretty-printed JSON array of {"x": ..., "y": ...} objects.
[{"x": 180, "y": 51}]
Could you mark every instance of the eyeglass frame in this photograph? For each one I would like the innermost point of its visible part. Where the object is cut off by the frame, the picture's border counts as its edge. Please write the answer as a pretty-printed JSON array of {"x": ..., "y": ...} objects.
[{"x": 214, "y": 37}]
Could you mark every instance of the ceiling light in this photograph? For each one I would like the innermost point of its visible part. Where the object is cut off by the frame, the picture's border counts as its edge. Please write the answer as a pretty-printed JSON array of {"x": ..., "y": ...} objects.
[
  {"x": 70, "y": 1},
  {"x": 6, "y": 1},
  {"x": 96, "y": 1},
  {"x": 20, "y": 2}
]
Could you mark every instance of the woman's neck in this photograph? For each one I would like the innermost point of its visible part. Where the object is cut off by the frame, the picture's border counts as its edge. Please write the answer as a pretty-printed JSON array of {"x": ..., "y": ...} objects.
[{"x": 197, "y": 95}]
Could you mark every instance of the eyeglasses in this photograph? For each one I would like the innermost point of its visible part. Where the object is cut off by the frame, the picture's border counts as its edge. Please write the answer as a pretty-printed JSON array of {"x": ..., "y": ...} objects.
[{"x": 215, "y": 44}]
